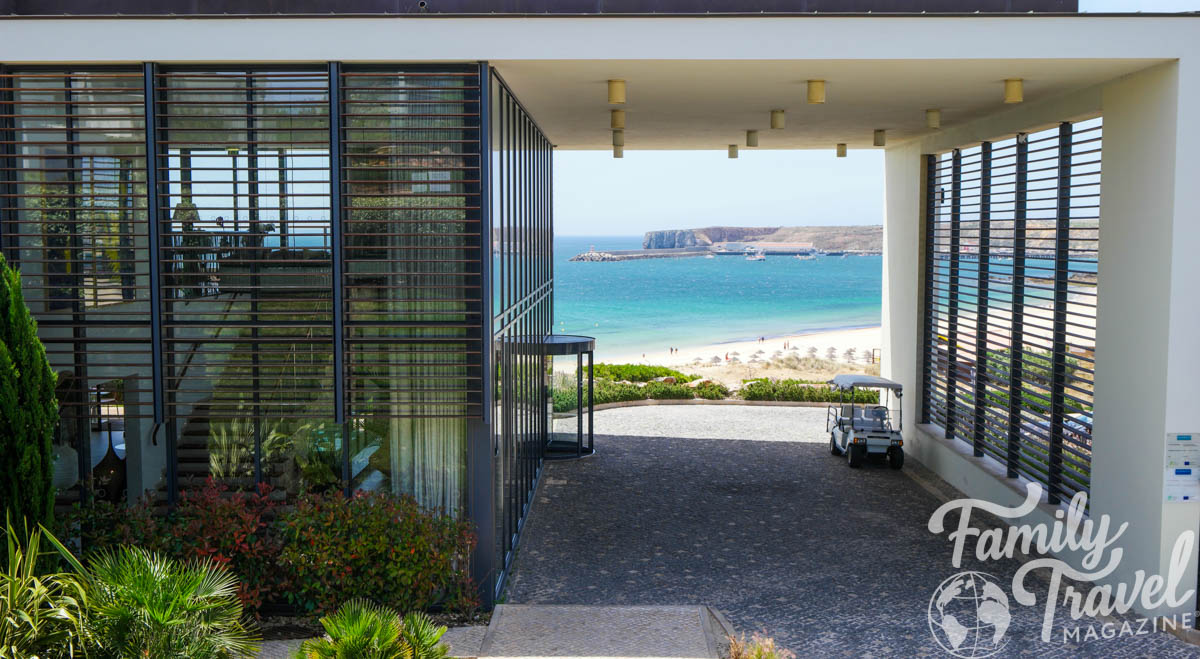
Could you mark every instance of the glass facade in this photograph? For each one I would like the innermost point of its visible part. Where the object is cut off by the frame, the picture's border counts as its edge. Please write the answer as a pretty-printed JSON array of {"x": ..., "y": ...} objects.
[
  {"x": 255, "y": 274},
  {"x": 413, "y": 280},
  {"x": 74, "y": 219},
  {"x": 246, "y": 276},
  {"x": 522, "y": 281}
]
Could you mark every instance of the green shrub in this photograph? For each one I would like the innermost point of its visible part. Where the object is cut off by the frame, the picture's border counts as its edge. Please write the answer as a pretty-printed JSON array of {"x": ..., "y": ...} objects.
[
  {"x": 605, "y": 392},
  {"x": 1037, "y": 365},
  {"x": 323, "y": 552},
  {"x": 712, "y": 391},
  {"x": 232, "y": 529},
  {"x": 41, "y": 615},
  {"x": 424, "y": 637},
  {"x": 664, "y": 391},
  {"x": 798, "y": 391},
  {"x": 638, "y": 373},
  {"x": 142, "y": 604},
  {"x": 378, "y": 546},
  {"x": 363, "y": 630},
  {"x": 28, "y": 410}
]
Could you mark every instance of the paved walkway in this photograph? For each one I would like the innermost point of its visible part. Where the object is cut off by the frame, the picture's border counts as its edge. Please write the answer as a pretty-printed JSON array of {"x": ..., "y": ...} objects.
[
  {"x": 771, "y": 530},
  {"x": 674, "y": 632}
]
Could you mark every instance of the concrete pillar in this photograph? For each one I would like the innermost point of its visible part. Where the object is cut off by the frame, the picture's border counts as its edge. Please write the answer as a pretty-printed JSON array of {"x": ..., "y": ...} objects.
[{"x": 1148, "y": 322}]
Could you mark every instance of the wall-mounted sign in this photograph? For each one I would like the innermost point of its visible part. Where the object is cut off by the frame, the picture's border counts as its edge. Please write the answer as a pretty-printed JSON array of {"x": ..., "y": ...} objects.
[{"x": 1181, "y": 480}]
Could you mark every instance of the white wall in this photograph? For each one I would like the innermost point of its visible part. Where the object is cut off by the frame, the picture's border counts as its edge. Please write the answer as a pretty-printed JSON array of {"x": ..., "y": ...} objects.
[{"x": 1148, "y": 325}]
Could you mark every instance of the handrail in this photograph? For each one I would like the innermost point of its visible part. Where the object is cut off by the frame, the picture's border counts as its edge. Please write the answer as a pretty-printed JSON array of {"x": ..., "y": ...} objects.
[{"x": 196, "y": 344}]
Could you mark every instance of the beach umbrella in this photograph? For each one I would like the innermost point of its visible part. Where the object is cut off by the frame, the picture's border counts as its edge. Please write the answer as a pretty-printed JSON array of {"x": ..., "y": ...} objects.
[
  {"x": 735, "y": 353},
  {"x": 715, "y": 360}
]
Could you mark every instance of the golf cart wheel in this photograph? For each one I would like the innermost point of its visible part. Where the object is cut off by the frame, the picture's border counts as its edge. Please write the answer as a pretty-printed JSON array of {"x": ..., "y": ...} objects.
[
  {"x": 857, "y": 455},
  {"x": 896, "y": 457},
  {"x": 833, "y": 447}
]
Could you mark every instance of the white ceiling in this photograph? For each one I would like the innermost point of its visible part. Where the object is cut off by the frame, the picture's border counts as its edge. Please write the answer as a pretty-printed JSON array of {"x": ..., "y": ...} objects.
[{"x": 676, "y": 104}]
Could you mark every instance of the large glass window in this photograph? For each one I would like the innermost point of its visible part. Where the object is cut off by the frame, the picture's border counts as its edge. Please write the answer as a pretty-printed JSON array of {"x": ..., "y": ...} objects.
[
  {"x": 261, "y": 194},
  {"x": 76, "y": 219},
  {"x": 1011, "y": 280},
  {"x": 244, "y": 157},
  {"x": 410, "y": 170},
  {"x": 523, "y": 288}
]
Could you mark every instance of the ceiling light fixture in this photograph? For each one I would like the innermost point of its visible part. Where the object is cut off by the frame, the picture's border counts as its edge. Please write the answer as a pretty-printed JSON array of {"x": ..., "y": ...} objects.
[
  {"x": 1014, "y": 90},
  {"x": 880, "y": 138},
  {"x": 616, "y": 119},
  {"x": 752, "y": 138},
  {"x": 933, "y": 119},
  {"x": 618, "y": 138},
  {"x": 618, "y": 152},
  {"x": 732, "y": 150},
  {"x": 816, "y": 92},
  {"x": 616, "y": 92},
  {"x": 841, "y": 150},
  {"x": 777, "y": 119}
]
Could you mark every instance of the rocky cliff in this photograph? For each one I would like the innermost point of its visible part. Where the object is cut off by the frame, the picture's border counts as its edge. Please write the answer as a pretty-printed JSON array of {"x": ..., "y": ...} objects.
[
  {"x": 868, "y": 237},
  {"x": 706, "y": 236}
]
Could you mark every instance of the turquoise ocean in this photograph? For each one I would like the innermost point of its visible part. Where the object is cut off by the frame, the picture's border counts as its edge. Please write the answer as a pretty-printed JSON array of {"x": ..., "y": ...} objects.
[{"x": 653, "y": 304}]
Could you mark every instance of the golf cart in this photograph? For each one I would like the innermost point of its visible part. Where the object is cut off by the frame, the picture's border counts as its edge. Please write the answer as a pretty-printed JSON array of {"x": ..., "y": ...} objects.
[{"x": 859, "y": 430}]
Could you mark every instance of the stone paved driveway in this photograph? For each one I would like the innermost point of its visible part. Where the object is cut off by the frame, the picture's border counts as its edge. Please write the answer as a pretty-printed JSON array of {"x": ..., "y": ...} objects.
[{"x": 743, "y": 509}]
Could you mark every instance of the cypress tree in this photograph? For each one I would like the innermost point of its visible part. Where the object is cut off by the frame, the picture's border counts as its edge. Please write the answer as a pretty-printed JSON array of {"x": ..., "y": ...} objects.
[{"x": 28, "y": 410}]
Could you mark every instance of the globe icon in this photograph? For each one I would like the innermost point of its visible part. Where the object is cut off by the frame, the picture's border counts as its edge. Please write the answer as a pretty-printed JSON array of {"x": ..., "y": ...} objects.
[{"x": 969, "y": 615}]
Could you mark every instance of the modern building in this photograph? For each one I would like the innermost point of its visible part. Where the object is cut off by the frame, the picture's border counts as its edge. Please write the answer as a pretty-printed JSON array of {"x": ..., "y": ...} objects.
[{"x": 307, "y": 245}]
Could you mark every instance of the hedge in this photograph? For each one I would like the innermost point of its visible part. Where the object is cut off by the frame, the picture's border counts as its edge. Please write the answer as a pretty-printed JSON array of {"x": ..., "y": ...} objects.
[
  {"x": 307, "y": 558},
  {"x": 638, "y": 373},
  {"x": 797, "y": 391}
]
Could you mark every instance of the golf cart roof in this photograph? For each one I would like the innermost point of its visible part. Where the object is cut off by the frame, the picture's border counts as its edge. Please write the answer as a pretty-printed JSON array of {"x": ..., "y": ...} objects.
[{"x": 852, "y": 380}]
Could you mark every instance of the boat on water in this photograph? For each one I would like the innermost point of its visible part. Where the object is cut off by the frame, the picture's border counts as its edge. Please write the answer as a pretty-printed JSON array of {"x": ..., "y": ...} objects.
[
  {"x": 710, "y": 256},
  {"x": 757, "y": 256},
  {"x": 805, "y": 257}
]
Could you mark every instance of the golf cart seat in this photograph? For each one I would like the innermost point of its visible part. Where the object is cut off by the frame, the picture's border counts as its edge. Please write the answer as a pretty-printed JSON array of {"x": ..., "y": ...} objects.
[{"x": 869, "y": 418}]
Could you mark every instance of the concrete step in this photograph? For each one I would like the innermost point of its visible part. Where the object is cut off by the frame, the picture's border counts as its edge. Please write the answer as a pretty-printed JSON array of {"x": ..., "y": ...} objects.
[{"x": 679, "y": 632}]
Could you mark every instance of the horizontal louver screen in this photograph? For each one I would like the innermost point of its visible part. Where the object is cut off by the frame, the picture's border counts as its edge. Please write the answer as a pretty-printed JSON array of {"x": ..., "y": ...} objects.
[
  {"x": 73, "y": 207},
  {"x": 243, "y": 160},
  {"x": 410, "y": 195}
]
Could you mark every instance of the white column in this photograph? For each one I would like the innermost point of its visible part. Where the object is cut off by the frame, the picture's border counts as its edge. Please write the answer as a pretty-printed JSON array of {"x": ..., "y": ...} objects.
[
  {"x": 1148, "y": 320},
  {"x": 902, "y": 295}
]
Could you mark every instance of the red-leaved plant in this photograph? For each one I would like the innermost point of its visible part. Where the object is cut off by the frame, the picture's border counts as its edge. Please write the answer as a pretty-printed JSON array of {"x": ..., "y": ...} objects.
[
  {"x": 235, "y": 529},
  {"x": 376, "y": 546}
]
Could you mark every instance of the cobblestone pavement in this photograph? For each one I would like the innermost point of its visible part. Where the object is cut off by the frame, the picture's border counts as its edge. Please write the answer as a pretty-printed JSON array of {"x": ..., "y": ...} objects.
[
  {"x": 771, "y": 530},
  {"x": 279, "y": 649}
]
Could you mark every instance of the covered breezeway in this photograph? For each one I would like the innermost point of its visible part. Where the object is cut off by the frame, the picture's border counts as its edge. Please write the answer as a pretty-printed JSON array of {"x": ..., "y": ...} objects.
[
  {"x": 743, "y": 509},
  {"x": 699, "y": 83}
]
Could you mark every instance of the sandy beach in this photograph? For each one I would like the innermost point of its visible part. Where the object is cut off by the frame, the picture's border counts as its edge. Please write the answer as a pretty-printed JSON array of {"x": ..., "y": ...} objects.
[{"x": 861, "y": 340}]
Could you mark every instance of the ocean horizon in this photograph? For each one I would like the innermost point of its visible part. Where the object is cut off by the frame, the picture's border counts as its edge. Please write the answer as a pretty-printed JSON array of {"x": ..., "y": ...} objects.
[{"x": 652, "y": 304}]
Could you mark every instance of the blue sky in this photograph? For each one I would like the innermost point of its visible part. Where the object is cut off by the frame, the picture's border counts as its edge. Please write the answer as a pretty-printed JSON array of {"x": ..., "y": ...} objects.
[{"x": 596, "y": 194}]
